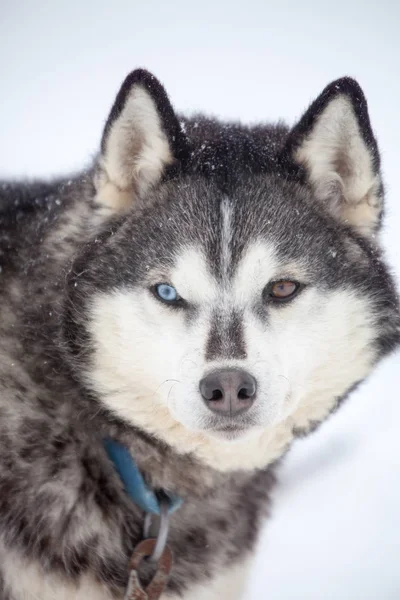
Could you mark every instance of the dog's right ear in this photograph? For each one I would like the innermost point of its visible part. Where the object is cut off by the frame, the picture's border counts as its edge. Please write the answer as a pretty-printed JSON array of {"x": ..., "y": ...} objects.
[{"x": 141, "y": 138}]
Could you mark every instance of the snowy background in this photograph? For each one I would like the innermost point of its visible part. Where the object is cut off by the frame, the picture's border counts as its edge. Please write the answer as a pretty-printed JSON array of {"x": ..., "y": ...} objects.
[{"x": 335, "y": 530}]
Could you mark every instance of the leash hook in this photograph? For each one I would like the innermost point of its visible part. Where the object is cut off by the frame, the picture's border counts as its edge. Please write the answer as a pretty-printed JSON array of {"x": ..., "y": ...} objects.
[
  {"x": 150, "y": 529},
  {"x": 154, "y": 549}
]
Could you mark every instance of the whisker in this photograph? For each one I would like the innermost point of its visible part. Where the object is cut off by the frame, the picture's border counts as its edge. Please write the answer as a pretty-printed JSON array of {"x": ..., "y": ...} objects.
[
  {"x": 170, "y": 390},
  {"x": 161, "y": 384}
]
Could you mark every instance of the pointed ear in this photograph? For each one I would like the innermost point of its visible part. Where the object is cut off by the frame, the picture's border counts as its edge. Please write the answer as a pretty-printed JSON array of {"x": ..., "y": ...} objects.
[
  {"x": 335, "y": 145},
  {"x": 142, "y": 137}
]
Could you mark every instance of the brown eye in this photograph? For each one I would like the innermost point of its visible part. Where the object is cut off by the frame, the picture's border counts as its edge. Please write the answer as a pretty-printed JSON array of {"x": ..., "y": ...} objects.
[{"x": 283, "y": 290}]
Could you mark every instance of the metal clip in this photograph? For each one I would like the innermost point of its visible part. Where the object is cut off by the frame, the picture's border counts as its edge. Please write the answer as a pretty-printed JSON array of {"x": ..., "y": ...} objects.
[
  {"x": 154, "y": 549},
  {"x": 153, "y": 591},
  {"x": 150, "y": 529}
]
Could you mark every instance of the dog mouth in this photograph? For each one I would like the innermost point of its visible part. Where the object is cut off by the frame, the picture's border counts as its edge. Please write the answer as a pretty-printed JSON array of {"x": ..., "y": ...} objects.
[
  {"x": 229, "y": 432},
  {"x": 230, "y": 428}
]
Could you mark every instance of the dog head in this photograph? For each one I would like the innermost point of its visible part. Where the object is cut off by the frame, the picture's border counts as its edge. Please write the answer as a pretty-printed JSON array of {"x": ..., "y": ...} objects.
[{"x": 237, "y": 291}]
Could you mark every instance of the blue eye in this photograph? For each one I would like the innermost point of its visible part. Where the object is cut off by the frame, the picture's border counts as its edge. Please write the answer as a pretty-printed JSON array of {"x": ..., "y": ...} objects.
[{"x": 166, "y": 292}]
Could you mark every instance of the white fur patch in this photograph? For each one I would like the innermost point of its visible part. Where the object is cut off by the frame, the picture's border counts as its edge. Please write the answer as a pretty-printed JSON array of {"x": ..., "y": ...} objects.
[
  {"x": 137, "y": 150},
  {"x": 192, "y": 279},
  {"x": 149, "y": 360},
  {"x": 338, "y": 160},
  {"x": 226, "y": 237},
  {"x": 25, "y": 580},
  {"x": 257, "y": 267}
]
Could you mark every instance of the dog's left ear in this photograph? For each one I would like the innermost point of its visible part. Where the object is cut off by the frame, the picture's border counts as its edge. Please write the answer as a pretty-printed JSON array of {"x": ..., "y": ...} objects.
[
  {"x": 141, "y": 138},
  {"x": 335, "y": 145}
]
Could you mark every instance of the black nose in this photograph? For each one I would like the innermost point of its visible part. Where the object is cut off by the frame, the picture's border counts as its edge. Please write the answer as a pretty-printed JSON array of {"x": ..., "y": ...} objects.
[{"x": 229, "y": 392}]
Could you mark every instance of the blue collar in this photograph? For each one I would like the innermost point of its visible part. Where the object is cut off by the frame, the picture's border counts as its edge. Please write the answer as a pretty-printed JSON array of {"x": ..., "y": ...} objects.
[{"x": 134, "y": 483}]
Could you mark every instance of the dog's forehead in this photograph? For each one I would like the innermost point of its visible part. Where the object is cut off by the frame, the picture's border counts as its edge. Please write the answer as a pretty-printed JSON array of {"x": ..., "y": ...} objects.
[
  {"x": 235, "y": 248},
  {"x": 197, "y": 279},
  {"x": 260, "y": 230},
  {"x": 266, "y": 208}
]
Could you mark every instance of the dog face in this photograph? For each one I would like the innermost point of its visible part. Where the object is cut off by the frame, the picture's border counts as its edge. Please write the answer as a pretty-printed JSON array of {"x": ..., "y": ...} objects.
[{"x": 232, "y": 295}]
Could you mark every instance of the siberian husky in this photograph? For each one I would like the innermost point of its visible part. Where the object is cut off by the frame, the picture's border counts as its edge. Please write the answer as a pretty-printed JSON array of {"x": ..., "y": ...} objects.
[{"x": 198, "y": 297}]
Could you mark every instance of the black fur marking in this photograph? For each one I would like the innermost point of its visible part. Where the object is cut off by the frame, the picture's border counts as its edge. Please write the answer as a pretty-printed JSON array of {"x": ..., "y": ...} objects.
[{"x": 226, "y": 337}]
